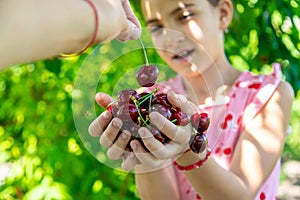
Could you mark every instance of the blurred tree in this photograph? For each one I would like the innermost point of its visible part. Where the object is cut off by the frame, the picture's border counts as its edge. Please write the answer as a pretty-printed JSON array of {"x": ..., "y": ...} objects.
[{"x": 42, "y": 154}]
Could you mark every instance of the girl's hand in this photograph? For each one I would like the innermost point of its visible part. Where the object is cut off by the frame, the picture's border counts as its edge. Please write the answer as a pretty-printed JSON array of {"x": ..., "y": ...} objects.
[
  {"x": 108, "y": 129},
  {"x": 161, "y": 154}
]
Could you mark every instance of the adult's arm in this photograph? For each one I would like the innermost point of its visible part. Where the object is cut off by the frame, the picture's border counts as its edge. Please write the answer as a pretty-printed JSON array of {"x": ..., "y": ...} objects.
[{"x": 38, "y": 29}]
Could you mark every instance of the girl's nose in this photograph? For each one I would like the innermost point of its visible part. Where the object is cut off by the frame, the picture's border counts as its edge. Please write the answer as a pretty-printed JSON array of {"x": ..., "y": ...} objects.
[{"x": 173, "y": 39}]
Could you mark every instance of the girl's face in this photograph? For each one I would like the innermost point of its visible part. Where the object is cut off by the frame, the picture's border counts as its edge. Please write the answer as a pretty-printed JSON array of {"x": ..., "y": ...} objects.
[{"x": 188, "y": 34}]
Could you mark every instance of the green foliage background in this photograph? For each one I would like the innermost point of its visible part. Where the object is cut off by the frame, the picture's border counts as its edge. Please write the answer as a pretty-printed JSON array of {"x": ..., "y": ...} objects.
[{"x": 41, "y": 153}]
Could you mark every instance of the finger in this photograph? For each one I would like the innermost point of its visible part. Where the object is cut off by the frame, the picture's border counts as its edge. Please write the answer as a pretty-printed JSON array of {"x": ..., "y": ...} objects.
[
  {"x": 131, "y": 33},
  {"x": 176, "y": 149},
  {"x": 97, "y": 126},
  {"x": 116, "y": 151},
  {"x": 175, "y": 133},
  {"x": 181, "y": 102},
  {"x": 144, "y": 157},
  {"x": 133, "y": 28},
  {"x": 103, "y": 99},
  {"x": 152, "y": 144},
  {"x": 130, "y": 14},
  {"x": 129, "y": 162},
  {"x": 111, "y": 132}
]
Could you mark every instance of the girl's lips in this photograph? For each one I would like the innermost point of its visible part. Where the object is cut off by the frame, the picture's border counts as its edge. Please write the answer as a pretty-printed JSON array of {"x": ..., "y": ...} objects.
[{"x": 183, "y": 56}]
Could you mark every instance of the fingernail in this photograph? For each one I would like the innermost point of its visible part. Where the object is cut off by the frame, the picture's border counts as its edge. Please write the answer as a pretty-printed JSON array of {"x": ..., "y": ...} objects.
[
  {"x": 131, "y": 155},
  {"x": 105, "y": 115},
  {"x": 116, "y": 123},
  {"x": 133, "y": 146},
  {"x": 124, "y": 136},
  {"x": 153, "y": 116},
  {"x": 142, "y": 133}
]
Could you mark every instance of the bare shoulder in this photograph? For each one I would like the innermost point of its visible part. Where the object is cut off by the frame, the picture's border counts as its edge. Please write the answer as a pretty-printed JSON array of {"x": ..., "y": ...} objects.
[
  {"x": 285, "y": 88},
  {"x": 281, "y": 101}
]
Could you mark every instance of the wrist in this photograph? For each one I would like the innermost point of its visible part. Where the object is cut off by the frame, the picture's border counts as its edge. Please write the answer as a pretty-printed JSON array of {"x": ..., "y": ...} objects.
[
  {"x": 189, "y": 157},
  {"x": 84, "y": 27},
  {"x": 142, "y": 168}
]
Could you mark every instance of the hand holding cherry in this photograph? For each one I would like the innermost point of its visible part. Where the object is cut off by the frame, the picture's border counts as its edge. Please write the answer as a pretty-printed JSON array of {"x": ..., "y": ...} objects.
[
  {"x": 134, "y": 109},
  {"x": 133, "y": 112}
]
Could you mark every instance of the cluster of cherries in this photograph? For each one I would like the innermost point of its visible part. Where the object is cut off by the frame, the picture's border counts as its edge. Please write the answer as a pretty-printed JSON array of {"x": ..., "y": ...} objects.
[{"x": 133, "y": 109}]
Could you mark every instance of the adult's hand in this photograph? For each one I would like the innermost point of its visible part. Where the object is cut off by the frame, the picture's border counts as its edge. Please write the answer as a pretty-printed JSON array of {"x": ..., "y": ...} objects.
[{"x": 133, "y": 31}]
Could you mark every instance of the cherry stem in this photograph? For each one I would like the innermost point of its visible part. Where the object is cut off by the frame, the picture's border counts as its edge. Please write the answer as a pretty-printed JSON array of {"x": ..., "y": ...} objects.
[
  {"x": 174, "y": 120},
  {"x": 150, "y": 102},
  {"x": 139, "y": 112},
  {"x": 144, "y": 51},
  {"x": 148, "y": 96}
]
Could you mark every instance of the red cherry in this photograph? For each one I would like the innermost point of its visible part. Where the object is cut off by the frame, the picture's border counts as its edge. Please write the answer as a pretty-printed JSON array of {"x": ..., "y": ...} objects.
[
  {"x": 161, "y": 99},
  {"x": 131, "y": 127},
  {"x": 158, "y": 135},
  {"x": 182, "y": 118},
  {"x": 125, "y": 96},
  {"x": 163, "y": 110},
  {"x": 128, "y": 112},
  {"x": 198, "y": 143},
  {"x": 147, "y": 75},
  {"x": 143, "y": 97},
  {"x": 200, "y": 121}
]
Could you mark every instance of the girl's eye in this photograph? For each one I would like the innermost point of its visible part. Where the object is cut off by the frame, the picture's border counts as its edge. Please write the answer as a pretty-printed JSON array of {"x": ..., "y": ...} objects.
[
  {"x": 185, "y": 16},
  {"x": 156, "y": 29}
]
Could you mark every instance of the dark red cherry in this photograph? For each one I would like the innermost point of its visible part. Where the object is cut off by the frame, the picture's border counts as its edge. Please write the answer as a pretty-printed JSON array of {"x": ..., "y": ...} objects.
[
  {"x": 147, "y": 75},
  {"x": 131, "y": 127},
  {"x": 161, "y": 99},
  {"x": 198, "y": 143},
  {"x": 162, "y": 109},
  {"x": 200, "y": 121},
  {"x": 158, "y": 134},
  {"x": 126, "y": 96},
  {"x": 143, "y": 99},
  {"x": 182, "y": 118},
  {"x": 128, "y": 112}
]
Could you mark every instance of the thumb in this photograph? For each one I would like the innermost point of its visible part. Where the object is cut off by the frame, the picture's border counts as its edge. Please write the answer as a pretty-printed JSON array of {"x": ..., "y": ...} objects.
[{"x": 103, "y": 99}]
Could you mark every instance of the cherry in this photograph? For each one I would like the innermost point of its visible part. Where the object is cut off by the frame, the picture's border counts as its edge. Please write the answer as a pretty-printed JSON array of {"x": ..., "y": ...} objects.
[
  {"x": 161, "y": 99},
  {"x": 158, "y": 135},
  {"x": 181, "y": 118},
  {"x": 162, "y": 109},
  {"x": 133, "y": 109},
  {"x": 144, "y": 99},
  {"x": 198, "y": 142},
  {"x": 131, "y": 127},
  {"x": 147, "y": 75},
  {"x": 128, "y": 112},
  {"x": 200, "y": 121},
  {"x": 126, "y": 96}
]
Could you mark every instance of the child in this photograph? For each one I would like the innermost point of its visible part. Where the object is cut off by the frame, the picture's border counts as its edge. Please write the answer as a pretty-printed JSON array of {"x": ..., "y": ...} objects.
[{"x": 249, "y": 113}]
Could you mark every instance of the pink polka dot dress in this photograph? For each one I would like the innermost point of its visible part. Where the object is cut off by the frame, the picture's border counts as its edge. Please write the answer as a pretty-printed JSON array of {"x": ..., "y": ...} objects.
[{"x": 228, "y": 119}]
